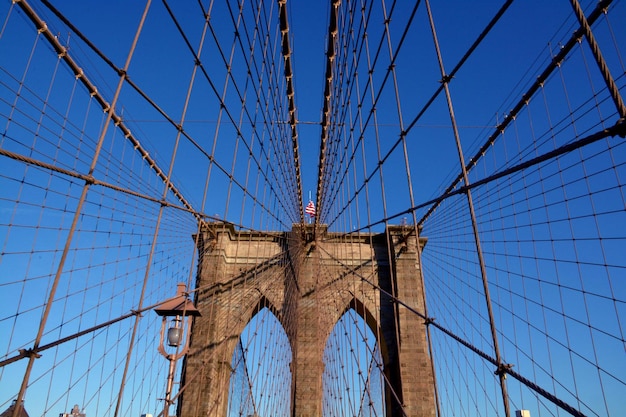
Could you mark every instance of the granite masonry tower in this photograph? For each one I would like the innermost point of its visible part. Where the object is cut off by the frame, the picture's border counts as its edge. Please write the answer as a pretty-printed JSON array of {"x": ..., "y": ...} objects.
[{"x": 295, "y": 274}]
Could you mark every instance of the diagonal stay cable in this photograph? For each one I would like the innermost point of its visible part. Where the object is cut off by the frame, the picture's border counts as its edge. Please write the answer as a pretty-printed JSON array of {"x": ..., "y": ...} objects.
[
  {"x": 553, "y": 65},
  {"x": 62, "y": 51},
  {"x": 225, "y": 109},
  {"x": 115, "y": 118},
  {"x": 618, "y": 129},
  {"x": 286, "y": 49},
  {"x": 330, "y": 58},
  {"x": 429, "y": 321},
  {"x": 403, "y": 134}
]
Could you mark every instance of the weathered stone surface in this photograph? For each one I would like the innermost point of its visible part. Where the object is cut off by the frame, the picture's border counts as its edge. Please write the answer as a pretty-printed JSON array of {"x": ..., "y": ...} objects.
[{"x": 308, "y": 284}]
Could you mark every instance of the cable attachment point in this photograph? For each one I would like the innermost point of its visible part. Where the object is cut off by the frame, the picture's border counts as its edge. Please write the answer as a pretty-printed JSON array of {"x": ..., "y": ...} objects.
[
  {"x": 446, "y": 79},
  {"x": 429, "y": 320},
  {"x": 621, "y": 128},
  {"x": 503, "y": 369},
  {"x": 29, "y": 353}
]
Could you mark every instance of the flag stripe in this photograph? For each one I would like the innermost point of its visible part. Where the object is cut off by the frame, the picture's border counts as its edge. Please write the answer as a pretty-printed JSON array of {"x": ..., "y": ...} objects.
[{"x": 310, "y": 209}]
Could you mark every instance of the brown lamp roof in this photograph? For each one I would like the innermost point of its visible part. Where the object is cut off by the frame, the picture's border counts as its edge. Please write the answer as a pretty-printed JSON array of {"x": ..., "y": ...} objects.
[
  {"x": 9, "y": 411},
  {"x": 179, "y": 306}
]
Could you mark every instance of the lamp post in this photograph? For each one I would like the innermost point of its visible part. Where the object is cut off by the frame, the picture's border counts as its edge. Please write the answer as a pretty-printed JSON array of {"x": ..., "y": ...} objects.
[{"x": 180, "y": 309}]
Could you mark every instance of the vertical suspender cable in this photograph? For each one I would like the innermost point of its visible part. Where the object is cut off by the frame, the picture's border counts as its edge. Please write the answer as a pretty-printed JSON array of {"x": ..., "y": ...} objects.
[
  {"x": 286, "y": 49},
  {"x": 330, "y": 59},
  {"x": 521, "y": 104},
  {"x": 77, "y": 214},
  {"x": 597, "y": 54},
  {"x": 501, "y": 368},
  {"x": 412, "y": 202}
]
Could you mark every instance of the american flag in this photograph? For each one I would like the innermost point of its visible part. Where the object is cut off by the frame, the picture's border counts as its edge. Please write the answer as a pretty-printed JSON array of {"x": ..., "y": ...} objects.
[{"x": 310, "y": 209}]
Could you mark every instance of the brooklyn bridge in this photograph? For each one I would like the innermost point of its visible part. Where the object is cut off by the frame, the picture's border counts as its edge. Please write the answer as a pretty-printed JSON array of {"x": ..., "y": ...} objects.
[{"x": 291, "y": 208}]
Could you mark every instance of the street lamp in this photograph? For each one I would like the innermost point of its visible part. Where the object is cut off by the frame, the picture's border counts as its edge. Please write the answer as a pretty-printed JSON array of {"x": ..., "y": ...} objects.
[{"x": 180, "y": 309}]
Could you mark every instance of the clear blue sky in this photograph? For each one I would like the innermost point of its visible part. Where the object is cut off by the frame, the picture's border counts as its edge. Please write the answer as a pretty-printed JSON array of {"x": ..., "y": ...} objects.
[{"x": 553, "y": 237}]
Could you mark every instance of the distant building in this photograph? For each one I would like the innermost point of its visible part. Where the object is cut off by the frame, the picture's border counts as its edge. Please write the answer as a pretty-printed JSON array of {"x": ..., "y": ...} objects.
[{"x": 74, "y": 413}]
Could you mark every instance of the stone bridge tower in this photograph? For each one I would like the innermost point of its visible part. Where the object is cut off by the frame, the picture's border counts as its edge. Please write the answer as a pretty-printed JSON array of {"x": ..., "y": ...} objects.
[{"x": 241, "y": 272}]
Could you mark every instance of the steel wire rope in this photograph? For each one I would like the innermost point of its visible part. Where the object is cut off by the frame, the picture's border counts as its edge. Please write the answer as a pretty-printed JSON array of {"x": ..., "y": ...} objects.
[
  {"x": 359, "y": 337},
  {"x": 247, "y": 375},
  {"x": 447, "y": 261},
  {"x": 24, "y": 99},
  {"x": 327, "y": 109},
  {"x": 192, "y": 77},
  {"x": 221, "y": 98},
  {"x": 342, "y": 109},
  {"x": 62, "y": 51},
  {"x": 6, "y": 20},
  {"x": 357, "y": 200},
  {"x": 371, "y": 67},
  {"x": 614, "y": 39},
  {"x": 258, "y": 102},
  {"x": 576, "y": 256},
  {"x": 442, "y": 292},
  {"x": 129, "y": 81},
  {"x": 21, "y": 85},
  {"x": 340, "y": 308},
  {"x": 351, "y": 75},
  {"x": 156, "y": 234},
  {"x": 259, "y": 357},
  {"x": 36, "y": 230},
  {"x": 462, "y": 391},
  {"x": 593, "y": 16},
  {"x": 579, "y": 355},
  {"x": 409, "y": 182},
  {"x": 374, "y": 113},
  {"x": 378, "y": 94},
  {"x": 59, "y": 163},
  {"x": 377, "y": 303},
  {"x": 550, "y": 237},
  {"x": 374, "y": 96},
  {"x": 560, "y": 403},
  {"x": 545, "y": 138},
  {"x": 373, "y": 363},
  {"x": 612, "y": 131},
  {"x": 576, "y": 252},
  {"x": 335, "y": 111},
  {"x": 286, "y": 49},
  {"x": 563, "y": 53},
  {"x": 244, "y": 283},
  {"x": 529, "y": 325},
  {"x": 284, "y": 161},
  {"x": 354, "y": 76},
  {"x": 242, "y": 98},
  {"x": 341, "y": 327},
  {"x": 231, "y": 322},
  {"x": 330, "y": 177},
  {"x": 610, "y": 150},
  {"x": 55, "y": 283},
  {"x": 224, "y": 171}
]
